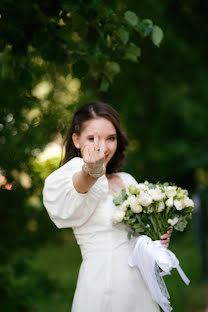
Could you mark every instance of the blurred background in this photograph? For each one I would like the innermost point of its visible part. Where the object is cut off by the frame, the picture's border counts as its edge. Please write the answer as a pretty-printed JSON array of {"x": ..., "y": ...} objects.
[{"x": 148, "y": 59}]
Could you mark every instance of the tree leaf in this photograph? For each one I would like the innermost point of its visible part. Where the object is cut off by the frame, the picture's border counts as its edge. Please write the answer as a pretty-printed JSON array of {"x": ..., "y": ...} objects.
[
  {"x": 111, "y": 70},
  {"x": 131, "y": 18},
  {"x": 123, "y": 35},
  {"x": 157, "y": 35},
  {"x": 133, "y": 52},
  {"x": 104, "y": 86}
]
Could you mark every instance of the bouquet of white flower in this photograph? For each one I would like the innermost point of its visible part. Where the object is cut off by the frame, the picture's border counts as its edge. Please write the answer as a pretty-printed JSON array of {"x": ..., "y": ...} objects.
[{"x": 151, "y": 209}]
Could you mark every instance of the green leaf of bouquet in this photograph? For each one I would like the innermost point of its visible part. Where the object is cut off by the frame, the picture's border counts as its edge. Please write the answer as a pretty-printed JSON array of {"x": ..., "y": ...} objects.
[
  {"x": 129, "y": 235},
  {"x": 124, "y": 195},
  {"x": 131, "y": 18},
  {"x": 157, "y": 35},
  {"x": 188, "y": 209},
  {"x": 118, "y": 200},
  {"x": 138, "y": 228},
  {"x": 153, "y": 221},
  {"x": 181, "y": 225}
]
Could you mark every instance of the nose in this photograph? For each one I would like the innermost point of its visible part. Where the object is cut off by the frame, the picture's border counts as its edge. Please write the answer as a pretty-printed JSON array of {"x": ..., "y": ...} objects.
[{"x": 104, "y": 147}]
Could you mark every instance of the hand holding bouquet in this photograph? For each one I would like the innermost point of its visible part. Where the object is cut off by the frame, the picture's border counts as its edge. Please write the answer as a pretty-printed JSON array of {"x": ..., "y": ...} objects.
[{"x": 151, "y": 209}]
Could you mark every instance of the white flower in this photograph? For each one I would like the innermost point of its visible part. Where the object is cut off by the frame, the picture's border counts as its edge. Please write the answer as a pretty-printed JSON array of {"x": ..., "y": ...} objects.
[
  {"x": 133, "y": 189},
  {"x": 136, "y": 209},
  {"x": 173, "y": 221},
  {"x": 144, "y": 199},
  {"x": 134, "y": 204},
  {"x": 188, "y": 202},
  {"x": 170, "y": 191},
  {"x": 124, "y": 205},
  {"x": 118, "y": 216},
  {"x": 178, "y": 204},
  {"x": 161, "y": 206},
  {"x": 169, "y": 202},
  {"x": 156, "y": 194},
  {"x": 142, "y": 186}
]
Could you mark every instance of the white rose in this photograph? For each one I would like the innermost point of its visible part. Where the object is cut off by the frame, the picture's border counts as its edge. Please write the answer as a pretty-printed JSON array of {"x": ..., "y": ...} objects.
[
  {"x": 173, "y": 221},
  {"x": 137, "y": 208},
  {"x": 161, "y": 206},
  {"x": 124, "y": 205},
  {"x": 134, "y": 204},
  {"x": 156, "y": 194},
  {"x": 188, "y": 202},
  {"x": 169, "y": 202},
  {"x": 170, "y": 191},
  {"x": 144, "y": 199},
  {"x": 142, "y": 186},
  {"x": 118, "y": 216},
  {"x": 178, "y": 204}
]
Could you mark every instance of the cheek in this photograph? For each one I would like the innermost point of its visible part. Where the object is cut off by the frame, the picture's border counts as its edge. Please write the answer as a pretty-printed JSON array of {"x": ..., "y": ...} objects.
[{"x": 114, "y": 146}]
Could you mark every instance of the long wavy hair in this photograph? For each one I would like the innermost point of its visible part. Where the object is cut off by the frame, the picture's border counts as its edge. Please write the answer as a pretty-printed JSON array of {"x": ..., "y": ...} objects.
[{"x": 90, "y": 111}]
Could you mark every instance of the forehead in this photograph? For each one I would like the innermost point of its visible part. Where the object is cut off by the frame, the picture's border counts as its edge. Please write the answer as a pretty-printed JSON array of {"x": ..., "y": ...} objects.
[{"x": 101, "y": 125}]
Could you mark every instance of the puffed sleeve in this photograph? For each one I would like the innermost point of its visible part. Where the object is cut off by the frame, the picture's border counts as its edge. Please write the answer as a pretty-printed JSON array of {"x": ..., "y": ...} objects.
[{"x": 65, "y": 206}]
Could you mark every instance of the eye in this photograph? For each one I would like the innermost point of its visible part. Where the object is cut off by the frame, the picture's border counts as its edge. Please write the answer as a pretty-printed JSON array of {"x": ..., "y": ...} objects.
[
  {"x": 91, "y": 138},
  {"x": 113, "y": 138}
]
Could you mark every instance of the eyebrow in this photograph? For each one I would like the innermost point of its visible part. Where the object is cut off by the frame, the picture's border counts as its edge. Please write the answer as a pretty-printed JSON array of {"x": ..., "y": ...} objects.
[{"x": 92, "y": 135}]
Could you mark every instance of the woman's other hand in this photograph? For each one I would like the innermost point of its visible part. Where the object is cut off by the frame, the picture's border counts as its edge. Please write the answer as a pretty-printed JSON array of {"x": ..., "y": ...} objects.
[{"x": 165, "y": 238}]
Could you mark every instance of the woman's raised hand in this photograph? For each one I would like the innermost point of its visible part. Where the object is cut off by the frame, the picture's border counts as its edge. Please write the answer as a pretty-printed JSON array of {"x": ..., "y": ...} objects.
[{"x": 93, "y": 157}]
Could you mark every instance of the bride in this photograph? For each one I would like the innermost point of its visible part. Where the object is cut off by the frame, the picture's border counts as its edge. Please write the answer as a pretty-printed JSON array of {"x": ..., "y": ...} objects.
[{"x": 79, "y": 195}]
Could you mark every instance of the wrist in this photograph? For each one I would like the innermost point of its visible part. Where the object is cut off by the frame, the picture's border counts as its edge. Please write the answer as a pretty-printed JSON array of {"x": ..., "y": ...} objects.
[{"x": 95, "y": 172}]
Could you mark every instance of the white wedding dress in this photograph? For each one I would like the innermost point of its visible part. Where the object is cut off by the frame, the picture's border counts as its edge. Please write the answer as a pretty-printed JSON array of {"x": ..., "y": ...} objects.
[{"x": 106, "y": 282}]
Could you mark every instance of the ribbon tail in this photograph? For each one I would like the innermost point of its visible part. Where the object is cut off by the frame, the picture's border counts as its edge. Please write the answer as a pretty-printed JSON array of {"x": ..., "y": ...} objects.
[
  {"x": 182, "y": 275},
  {"x": 144, "y": 260}
]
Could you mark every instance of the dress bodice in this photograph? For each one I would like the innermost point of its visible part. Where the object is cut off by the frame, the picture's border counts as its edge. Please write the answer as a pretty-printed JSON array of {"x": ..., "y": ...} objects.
[{"x": 90, "y": 214}]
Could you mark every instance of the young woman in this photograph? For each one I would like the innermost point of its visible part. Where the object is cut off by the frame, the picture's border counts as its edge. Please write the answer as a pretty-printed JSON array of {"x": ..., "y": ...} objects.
[{"x": 79, "y": 195}]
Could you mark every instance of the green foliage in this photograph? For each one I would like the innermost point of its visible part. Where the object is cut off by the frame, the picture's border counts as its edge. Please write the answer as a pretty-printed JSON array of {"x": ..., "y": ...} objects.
[{"x": 157, "y": 35}]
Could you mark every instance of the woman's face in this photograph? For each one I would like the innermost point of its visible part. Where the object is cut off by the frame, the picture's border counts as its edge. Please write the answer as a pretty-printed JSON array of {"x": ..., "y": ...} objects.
[{"x": 106, "y": 134}]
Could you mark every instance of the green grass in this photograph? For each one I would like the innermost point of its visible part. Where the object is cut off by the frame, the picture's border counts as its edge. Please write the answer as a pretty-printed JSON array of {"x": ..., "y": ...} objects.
[{"x": 62, "y": 262}]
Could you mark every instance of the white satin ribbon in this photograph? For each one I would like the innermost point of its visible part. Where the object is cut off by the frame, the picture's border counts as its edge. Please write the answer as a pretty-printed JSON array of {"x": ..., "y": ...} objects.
[{"x": 148, "y": 256}]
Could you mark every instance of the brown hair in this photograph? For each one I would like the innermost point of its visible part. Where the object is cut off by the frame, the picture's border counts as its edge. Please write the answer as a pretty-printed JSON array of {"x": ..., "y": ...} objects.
[{"x": 90, "y": 111}]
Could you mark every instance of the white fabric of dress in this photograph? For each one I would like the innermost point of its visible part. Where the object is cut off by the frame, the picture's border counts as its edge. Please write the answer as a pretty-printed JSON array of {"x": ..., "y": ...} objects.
[{"x": 106, "y": 282}]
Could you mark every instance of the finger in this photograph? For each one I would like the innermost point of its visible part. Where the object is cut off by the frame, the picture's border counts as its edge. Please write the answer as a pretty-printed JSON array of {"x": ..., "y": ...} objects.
[
  {"x": 83, "y": 150},
  {"x": 165, "y": 241},
  {"x": 169, "y": 231},
  {"x": 96, "y": 141},
  {"x": 165, "y": 236},
  {"x": 85, "y": 153}
]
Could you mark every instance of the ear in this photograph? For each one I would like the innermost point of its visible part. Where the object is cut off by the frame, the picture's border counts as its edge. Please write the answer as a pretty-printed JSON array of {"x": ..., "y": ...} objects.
[{"x": 75, "y": 139}]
